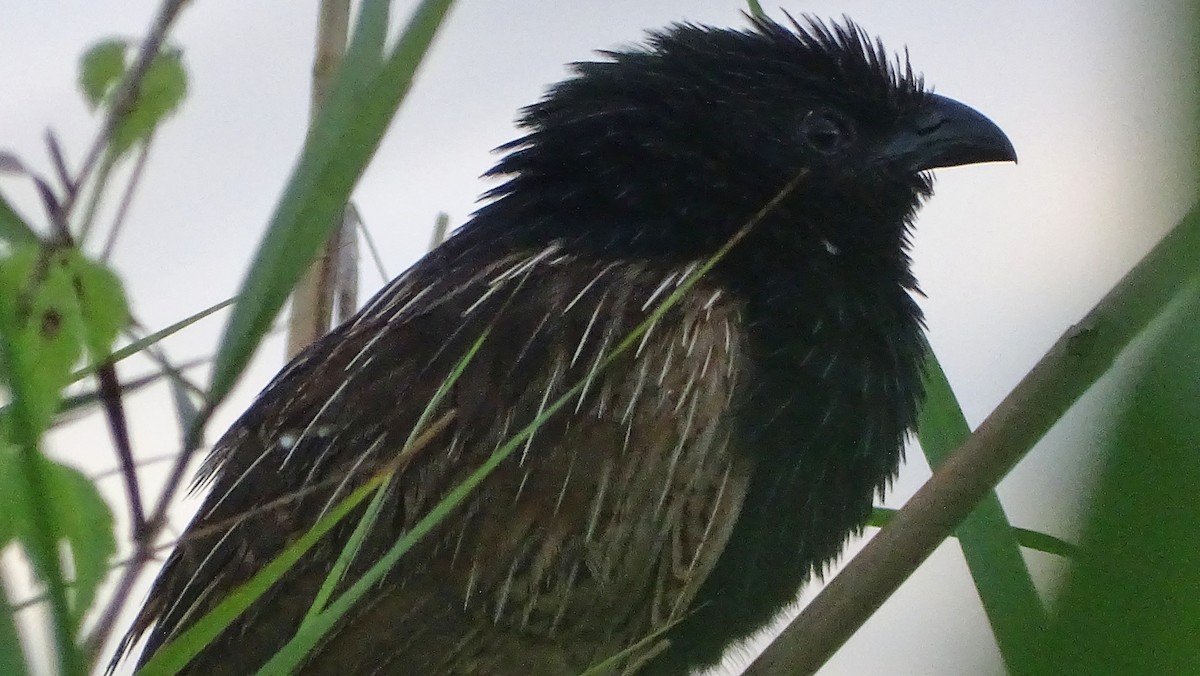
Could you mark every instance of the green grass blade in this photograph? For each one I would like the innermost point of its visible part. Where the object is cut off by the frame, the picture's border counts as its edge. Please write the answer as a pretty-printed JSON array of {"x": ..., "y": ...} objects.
[
  {"x": 350, "y": 551},
  {"x": 152, "y": 339},
  {"x": 343, "y": 139},
  {"x": 365, "y": 53},
  {"x": 175, "y": 655},
  {"x": 13, "y": 228},
  {"x": 1029, "y": 539},
  {"x": 989, "y": 543}
]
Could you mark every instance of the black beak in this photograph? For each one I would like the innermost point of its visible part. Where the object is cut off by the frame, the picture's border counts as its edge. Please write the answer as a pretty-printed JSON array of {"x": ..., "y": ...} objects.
[{"x": 946, "y": 133}]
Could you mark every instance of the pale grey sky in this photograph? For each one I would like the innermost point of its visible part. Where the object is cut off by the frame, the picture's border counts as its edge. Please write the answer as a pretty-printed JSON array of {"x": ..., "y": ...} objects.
[{"x": 1091, "y": 93}]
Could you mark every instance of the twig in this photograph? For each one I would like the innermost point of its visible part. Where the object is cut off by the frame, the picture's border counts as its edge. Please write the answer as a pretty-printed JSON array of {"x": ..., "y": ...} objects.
[
  {"x": 114, "y": 413},
  {"x": 366, "y": 233},
  {"x": 135, "y": 178},
  {"x": 57, "y": 158}
]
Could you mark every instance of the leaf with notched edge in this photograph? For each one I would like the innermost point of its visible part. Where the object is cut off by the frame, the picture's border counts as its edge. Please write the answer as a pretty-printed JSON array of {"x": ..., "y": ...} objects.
[
  {"x": 78, "y": 515},
  {"x": 101, "y": 304}
]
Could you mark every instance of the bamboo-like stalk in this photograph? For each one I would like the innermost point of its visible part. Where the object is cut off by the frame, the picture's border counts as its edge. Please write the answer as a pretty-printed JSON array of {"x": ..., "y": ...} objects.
[{"x": 313, "y": 298}]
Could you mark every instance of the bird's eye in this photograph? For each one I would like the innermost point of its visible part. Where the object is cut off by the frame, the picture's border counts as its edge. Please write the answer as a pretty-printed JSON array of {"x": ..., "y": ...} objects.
[{"x": 826, "y": 132}]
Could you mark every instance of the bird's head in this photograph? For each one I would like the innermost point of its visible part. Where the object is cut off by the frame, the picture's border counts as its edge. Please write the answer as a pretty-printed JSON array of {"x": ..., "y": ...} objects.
[{"x": 668, "y": 148}]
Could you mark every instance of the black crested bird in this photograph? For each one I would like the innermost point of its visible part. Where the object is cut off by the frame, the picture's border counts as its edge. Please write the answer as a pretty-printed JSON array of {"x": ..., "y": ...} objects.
[{"x": 695, "y": 482}]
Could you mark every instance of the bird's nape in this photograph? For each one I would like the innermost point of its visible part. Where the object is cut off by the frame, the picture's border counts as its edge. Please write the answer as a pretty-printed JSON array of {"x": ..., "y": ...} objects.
[{"x": 685, "y": 484}]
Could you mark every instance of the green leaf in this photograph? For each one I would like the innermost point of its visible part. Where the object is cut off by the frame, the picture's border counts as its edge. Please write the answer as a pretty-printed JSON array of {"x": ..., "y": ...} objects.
[
  {"x": 178, "y": 652},
  {"x": 102, "y": 306},
  {"x": 989, "y": 543},
  {"x": 78, "y": 516},
  {"x": 9, "y": 502},
  {"x": 33, "y": 340},
  {"x": 12, "y": 661},
  {"x": 41, "y": 326},
  {"x": 160, "y": 93},
  {"x": 1132, "y": 604},
  {"x": 101, "y": 68},
  {"x": 13, "y": 228},
  {"x": 52, "y": 303}
]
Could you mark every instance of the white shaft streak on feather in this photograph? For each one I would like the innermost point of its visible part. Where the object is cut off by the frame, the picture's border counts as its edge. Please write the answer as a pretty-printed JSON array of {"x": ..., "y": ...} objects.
[
  {"x": 533, "y": 335},
  {"x": 453, "y": 448},
  {"x": 666, "y": 365},
  {"x": 493, "y": 286},
  {"x": 482, "y": 297},
  {"x": 349, "y": 474},
  {"x": 708, "y": 304},
  {"x": 595, "y": 368},
  {"x": 691, "y": 343},
  {"x": 658, "y": 290},
  {"x": 470, "y": 636},
  {"x": 183, "y": 592},
  {"x": 598, "y": 501},
  {"x": 646, "y": 337},
  {"x": 566, "y": 596},
  {"x": 707, "y": 360},
  {"x": 687, "y": 389},
  {"x": 637, "y": 392},
  {"x": 391, "y": 294},
  {"x": 472, "y": 578},
  {"x": 399, "y": 312},
  {"x": 521, "y": 486},
  {"x": 602, "y": 400},
  {"x": 685, "y": 273},
  {"x": 730, "y": 362},
  {"x": 700, "y": 547},
  {"x": 182, "y": 622},
  {"x": 458, "y": 542},
  {"x": 685, "y": 436},
  {"x": 554, "y": 375},
  {"x": 523, "y": 267},
  {"x": 506, "y": 588},
  {"x": 588, "y": 329},
  {"x": 307, "y": 428},
  {"x": 603, "y": 271},
  {"x": 241, "y": 477},
  {"x": 566, "y": 481},
  {"x": 317, "y": 462},
  {"x": 833, "y": 357}
]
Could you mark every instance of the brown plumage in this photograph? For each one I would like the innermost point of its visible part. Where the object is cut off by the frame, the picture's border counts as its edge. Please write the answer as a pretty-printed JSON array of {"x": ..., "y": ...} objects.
[
  {"x": 692, "y": 484},
  {"x": 582, "y": 523}
]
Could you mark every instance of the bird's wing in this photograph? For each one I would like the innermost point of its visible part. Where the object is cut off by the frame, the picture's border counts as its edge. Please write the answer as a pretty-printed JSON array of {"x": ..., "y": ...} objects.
[{"x": 593, "y": 533}]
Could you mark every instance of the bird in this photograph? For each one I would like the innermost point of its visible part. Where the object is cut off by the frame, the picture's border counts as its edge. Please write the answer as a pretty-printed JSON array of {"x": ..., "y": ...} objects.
[{"x": 686, "y": 311}]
